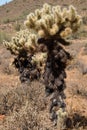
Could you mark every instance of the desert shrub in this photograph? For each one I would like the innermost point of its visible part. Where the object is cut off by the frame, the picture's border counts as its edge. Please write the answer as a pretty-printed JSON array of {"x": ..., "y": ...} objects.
[
  {"x": 81, "y": 34},
  {"x": 39, "y": 53},
  {"x": 85, "y": 49},
  {"x": 84, "y": 8},
  {"x": 4, "y": 36},
  {"x": 85, "y": 20},
  {"x": 17, "y": 26},
  {"x": 23, "y": 15},
  {"x": 7, "y": 10},
  {"x": 21, "y": 106},
  {"x": 7, "y": 20},
  {"x": 13, "y": 100}
]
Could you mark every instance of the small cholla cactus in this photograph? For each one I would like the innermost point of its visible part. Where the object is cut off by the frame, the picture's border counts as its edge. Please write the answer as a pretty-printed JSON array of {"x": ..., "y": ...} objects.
[
  {"x": 24, "y": 40},
  {"x": 62, "y": 116},
  {"x": 39, "y": 52},
  {"x": 27, "y": 51}
]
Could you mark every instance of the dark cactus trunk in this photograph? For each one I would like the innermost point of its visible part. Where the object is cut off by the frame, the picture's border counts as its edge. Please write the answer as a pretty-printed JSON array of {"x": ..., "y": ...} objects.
[
  {"x": 28, "y": 71},
  {"x": 54, "y": 76}
]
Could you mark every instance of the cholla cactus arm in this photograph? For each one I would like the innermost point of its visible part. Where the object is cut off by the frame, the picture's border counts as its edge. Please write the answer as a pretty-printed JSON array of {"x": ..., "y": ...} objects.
[
  {"x": 40, "y": 59},
  {"x": 72, "y": 13},
  {"x": 66, "y": 32},
  {"x": 46, "y": 9},
  {"x": 61, "y": 121}
]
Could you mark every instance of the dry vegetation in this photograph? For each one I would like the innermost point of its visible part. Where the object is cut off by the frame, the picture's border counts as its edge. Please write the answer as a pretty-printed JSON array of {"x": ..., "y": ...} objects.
[{"x": 25, "y": 107}]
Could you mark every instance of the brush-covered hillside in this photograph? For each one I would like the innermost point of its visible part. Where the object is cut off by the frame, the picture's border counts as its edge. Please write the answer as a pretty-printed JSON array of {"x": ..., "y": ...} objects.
[
  {"x": 12, "y": 15},
  {"x": 18, "y": 9}
]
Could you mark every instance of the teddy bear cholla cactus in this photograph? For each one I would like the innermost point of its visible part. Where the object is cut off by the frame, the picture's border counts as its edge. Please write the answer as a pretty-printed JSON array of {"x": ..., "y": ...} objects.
[
  {"x": 24, "y": 46},
  {"x": 53, "y": 20},
  {"x": 24, "y": 40},
  {"x": 51, "y": 25}
]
